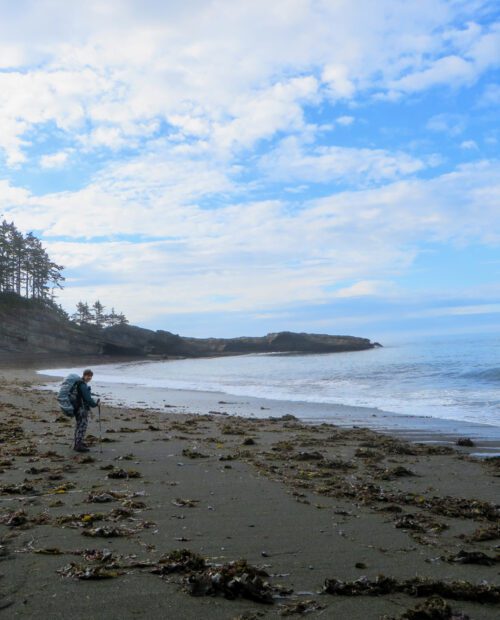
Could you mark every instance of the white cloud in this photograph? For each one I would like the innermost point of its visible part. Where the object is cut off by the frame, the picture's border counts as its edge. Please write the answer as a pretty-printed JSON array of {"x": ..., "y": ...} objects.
[
  {"x": 262, "y": 254},
  {"x": 490, "y": 96},
  {"x": 451, "y": 124},
  {"x": 345, "y": 120},
  {"x": 469, "y": 145},
  {"x": 459, "y": 310},
  {"x": 54, "y": 160},
  {"x": 366, "y": 288},
  {"x": 448, "y": 70},
  {"x": 211, "y": 124},
  {"x": 292, "y": 159},
  {"x": 113, "y": 72}
]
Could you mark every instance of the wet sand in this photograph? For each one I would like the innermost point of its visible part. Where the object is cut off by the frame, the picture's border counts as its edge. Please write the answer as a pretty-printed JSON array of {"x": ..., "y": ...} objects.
[{"x": 304, "y": 503}]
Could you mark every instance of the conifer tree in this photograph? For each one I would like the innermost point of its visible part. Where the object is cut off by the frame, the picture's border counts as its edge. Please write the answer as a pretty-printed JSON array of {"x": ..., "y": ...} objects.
[
  {"x": 25, "y": 267},
  {"x": 98, "y": 315}
]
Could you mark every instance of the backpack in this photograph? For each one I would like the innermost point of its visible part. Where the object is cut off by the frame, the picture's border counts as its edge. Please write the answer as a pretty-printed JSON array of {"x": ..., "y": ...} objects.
[{"x": 69, "y": 398}]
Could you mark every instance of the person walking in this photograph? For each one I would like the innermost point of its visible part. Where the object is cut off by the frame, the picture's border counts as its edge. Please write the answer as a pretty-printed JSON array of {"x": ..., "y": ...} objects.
[{"x": 82, "y": 410}]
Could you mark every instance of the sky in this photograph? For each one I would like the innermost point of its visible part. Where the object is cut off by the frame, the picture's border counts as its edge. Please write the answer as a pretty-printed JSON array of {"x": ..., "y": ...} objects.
[{"x": 221, "y": 168}]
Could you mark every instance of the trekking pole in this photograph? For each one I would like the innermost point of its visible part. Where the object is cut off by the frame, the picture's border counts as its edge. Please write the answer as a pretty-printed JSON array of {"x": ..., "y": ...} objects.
[{"x": 100, "y": 428}]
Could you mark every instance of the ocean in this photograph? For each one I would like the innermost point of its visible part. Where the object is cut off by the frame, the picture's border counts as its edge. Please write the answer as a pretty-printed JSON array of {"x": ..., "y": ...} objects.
[{"x": 447, "y": 378}]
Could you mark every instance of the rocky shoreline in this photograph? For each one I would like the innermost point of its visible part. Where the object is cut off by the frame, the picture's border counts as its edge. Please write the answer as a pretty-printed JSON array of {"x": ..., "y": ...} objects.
[{"x": 31, "y": 330}]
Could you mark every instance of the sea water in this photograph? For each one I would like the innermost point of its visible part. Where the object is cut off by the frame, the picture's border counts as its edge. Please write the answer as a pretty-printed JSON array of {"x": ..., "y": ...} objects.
[{"x": 452, "y": 378}]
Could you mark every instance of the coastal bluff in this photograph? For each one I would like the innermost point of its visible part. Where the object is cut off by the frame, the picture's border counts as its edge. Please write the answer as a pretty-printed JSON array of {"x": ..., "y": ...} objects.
[{"x": 32, "y": 331}]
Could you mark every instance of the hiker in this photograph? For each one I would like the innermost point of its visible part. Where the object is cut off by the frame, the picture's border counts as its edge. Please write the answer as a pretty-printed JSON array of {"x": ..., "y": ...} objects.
[{"x": 82, "y": 410}]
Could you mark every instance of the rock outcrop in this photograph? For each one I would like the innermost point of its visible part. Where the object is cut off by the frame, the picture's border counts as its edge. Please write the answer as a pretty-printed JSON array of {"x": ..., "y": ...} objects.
[
  {"x": 129, "y": 340},
  {"x": 31, "y": 330}
]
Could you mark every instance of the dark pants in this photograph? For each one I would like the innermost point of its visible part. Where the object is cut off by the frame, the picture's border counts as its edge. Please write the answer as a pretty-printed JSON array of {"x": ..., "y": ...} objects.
[{"x": 81, "y": 423}]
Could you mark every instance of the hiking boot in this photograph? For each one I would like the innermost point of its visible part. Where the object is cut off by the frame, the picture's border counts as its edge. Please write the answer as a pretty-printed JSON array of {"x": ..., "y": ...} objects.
[{"x": 81, "y": 448}]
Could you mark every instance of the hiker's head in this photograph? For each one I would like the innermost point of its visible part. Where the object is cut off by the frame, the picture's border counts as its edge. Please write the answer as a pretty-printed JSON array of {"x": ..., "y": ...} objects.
[{"x": 87, "y": 375}]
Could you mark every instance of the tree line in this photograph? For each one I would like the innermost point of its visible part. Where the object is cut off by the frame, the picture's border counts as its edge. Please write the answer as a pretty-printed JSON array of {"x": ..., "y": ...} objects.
[
  {"x": 25, "y": 266},
  {"x": 94, "y": 315},
  {"x": 27, "y": 271}
]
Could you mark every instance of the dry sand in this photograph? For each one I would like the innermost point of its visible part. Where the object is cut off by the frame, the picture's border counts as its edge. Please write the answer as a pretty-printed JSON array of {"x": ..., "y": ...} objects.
[{"x": 303, "y": 503}]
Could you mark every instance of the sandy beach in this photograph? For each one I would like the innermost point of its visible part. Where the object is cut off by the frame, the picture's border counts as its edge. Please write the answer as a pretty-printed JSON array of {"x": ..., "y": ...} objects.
[{"x": 181, "y": 515}]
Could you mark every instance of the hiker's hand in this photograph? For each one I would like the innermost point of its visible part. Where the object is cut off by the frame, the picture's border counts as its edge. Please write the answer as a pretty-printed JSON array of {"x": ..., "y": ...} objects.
[{"x": 98, "y": 402}]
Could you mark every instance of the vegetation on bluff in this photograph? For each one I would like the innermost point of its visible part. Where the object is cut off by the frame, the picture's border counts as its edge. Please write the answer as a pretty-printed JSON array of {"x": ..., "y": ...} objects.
[
  {"x": 29, "y": 278},
  {"x": 25, "y": 266}
]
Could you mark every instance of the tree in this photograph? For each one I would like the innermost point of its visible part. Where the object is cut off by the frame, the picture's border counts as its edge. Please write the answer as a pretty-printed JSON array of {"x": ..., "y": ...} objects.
[
  {"x": 95, "y": 315},
  {"x": 82, "y": 314},
  {"x": 25, "y": 267},
  {"x": 98, "y": 316}
]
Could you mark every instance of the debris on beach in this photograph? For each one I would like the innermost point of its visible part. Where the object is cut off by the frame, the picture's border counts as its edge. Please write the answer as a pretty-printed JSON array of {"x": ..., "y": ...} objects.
[
  {"x": 79, "y": 571},
  {"x": 434, "y": 608},
  {"x": 301, "y": 607},
  {"x": 108, "y": 532},
  {"x": 417, "y": 586},
  {"x": 237, "y": 579},
  {"x": 14, "y": 519},
  {"x": 85, "y": 460},
  {"x": 117, "y": 474},
  {"x": 82, "y": 520},
  {"x": 193, "y": 454},
  {"x": 336, "y": 464},
  {"x": 396, "y": 472},
  {"x": 179, "y": 561},
  {"x": 48, "y": 551},
  {"x": 233, "y": 580},
  {"x": 490, "y": 532},
  {"x": 473, "y": 557},
  {"x": 367, "y": 453},
  {"x": 22, "y": 488},
  {"x": 182, "y": 503},
  {"x": 62, "y": 488},
  {"x": 419, "y": 523},
  {"x": 97, "y": 555},
  {"x": 100, "y": 497},
  {"x": 308, "y": 456},
  {"x": 232, "y": 429}
]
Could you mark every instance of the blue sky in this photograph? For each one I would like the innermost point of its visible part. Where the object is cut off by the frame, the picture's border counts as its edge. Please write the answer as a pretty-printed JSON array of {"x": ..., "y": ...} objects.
[{"x": 220, "y": 168}]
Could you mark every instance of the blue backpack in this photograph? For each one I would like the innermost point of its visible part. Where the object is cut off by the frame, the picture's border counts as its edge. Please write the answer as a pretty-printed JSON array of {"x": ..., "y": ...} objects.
[{"x": 69, "y": 398}]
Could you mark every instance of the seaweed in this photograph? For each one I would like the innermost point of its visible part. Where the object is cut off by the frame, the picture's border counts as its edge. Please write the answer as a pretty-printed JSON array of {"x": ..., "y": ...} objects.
[
  {"x": 190, "y": 503},
  {"x": 48, "y": 551},
  {"x": 23, "y": 488},
  {"x": 473, "y": 557},
  {"x": 419, "y": 523},
  {"x": 100, "y": 497},
  {"x": 417, "y": 586},
  {"x": 193, "y": 454},
  {"x": 308, "y": 456},
  {"x": 179, "y": 561},
  {"x": 301, "y": 607},
  {"x": 83, "y": 520},
  {"x": 396, "y": 472},
  {"x": 117, "y": 474},
  {"x": 490, "y": 532},
  {"x": 14, "y": 519},
  {"x": 108, "y": 532},
  {"x": 80, "y": 571},
  {"x": 233, "y": 580},
  {"x": 434, "y": 608}
]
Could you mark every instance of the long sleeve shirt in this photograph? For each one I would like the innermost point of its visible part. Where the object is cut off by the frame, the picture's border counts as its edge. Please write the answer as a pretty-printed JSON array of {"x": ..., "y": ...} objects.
[{"x": 86, "y": 395}]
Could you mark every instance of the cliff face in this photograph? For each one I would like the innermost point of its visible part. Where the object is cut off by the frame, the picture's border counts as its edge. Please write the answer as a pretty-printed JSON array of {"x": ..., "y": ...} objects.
[
  {"x": 30, "y": 330},
  {"x": 129, "y": 340}
]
